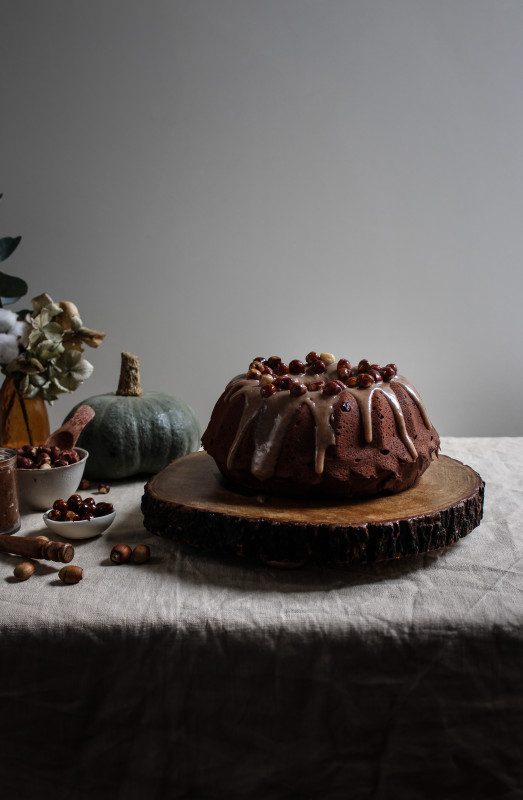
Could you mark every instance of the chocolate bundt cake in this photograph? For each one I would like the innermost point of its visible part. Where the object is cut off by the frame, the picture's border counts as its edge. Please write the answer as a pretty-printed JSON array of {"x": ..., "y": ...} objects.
[{"x": 320, "y": 428}]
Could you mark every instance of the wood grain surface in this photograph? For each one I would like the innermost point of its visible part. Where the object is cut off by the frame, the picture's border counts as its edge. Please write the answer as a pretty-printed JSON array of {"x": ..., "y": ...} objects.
[{"x": 189, "y": 501}]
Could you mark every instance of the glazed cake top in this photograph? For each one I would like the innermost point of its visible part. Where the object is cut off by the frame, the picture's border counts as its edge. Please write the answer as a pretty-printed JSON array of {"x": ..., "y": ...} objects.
[{"x": 273, "y": 390}]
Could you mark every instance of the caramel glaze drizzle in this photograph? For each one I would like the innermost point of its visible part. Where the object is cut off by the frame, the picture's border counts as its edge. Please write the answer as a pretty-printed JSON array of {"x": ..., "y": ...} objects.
[{"x": 275, "y": 413}]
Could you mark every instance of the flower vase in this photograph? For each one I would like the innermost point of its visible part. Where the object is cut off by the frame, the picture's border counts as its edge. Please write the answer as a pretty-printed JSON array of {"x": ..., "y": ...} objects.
[{"x": 22, "y": 420}]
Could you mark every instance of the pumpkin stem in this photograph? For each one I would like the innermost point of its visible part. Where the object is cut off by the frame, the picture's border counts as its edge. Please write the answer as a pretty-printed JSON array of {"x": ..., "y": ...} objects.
[{"x": 129, "y": 384}]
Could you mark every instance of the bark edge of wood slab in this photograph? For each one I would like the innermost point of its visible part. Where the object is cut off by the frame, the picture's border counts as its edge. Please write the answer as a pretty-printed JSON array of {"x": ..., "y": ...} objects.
[{"x": 188, "y": 501}]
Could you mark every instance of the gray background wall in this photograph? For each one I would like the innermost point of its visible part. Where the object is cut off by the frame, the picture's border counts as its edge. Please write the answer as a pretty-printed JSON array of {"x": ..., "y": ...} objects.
[{"x": 211, "y": 180}]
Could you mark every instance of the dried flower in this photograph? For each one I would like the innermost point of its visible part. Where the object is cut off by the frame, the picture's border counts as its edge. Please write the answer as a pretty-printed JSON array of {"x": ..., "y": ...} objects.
[
  {"x": 42, "y": 349},
  {"x": 47, "y": 366}
]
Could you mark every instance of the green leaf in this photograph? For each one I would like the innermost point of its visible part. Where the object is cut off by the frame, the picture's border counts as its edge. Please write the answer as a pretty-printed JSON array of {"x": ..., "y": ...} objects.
[
  {"x": 11, "y": 288},
  {"x": 8, "y": 245}
]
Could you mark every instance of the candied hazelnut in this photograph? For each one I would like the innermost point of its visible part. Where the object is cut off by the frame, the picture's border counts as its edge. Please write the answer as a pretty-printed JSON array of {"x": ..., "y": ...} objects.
[
  {"x": 296, "y": 367},
  {"x": 254, "y": 374},
  {"x": 74, "y": 502},
  {"x": 22, "y": 462},
  {"x": 282, "y": 369},
  {"x": 274, "y": 362},
  {"x": 343, "y": 373},
  {"x": 121, "y": 553},
  {"x": 141, "y": 554},
  {"x": 364, "y": 365},
  {"x": 102, "y": 509},
  {"x": 266, "y": 371},
  {"x": 256, "y": 365},
  {"x": 24, "y": 570},
  {"x": 317, "y": 367},
  {"x": 297, "y": 389},
  {"x": 327, "y": 358},
  {"x": 71, "y": 574},
  {"x": 267, "y": 389},
  {"x": 365, "y": 380},
  {"x": 266, "y": 379},
  {"x": 29, "y": 450},
  {"x": 392, "y": 367},
  {"x": 61, "y": 462},
  {"x": 55, "y": 452},
  {"x": 60, "y": 504},
  {"x": 104, "y": 488},
  {"x": 55, "y": 514},
  {"x": 343, "y": 362},
  {"x": 312, "y": 356},
  {"x": 70, "y": 515},
  {"x": 352, "y": 382},
  {"x": 376, "y": 374},
  {"x": 387, "y": 373},
  {"x": 332, "y": 388},
  {"x": 283, "y": 383},
  {"x": 316, "y": 386},
  {"x": 260, "y": 359}
]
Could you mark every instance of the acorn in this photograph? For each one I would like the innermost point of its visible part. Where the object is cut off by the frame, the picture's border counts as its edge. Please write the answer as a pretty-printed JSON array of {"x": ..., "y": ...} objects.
[
  {"x": 141, "y": 554},
  {"x": 121, "y": 553},
  {"x": 71, "y": 574},
  {"x": 24, "y": 570}
]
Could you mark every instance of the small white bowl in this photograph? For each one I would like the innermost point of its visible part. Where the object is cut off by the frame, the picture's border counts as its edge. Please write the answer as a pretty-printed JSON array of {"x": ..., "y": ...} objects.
[
  {"x": 39, "y": 488},
  {"x": 82, "y": 528}
]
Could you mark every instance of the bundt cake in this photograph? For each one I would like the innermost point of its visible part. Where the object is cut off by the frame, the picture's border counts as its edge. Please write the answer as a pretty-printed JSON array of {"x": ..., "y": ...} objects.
[{"x": 320, "y": 428}]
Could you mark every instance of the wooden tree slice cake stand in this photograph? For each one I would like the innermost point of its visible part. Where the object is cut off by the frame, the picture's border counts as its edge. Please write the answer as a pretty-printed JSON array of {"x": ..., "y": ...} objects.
[{"x": 188, "y": 501}]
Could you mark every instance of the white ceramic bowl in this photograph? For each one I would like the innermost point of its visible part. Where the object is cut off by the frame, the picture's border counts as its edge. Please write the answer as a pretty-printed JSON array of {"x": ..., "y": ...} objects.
[
  {"x": 82, "y": 528},
  {"x": 39, "y": 488}
]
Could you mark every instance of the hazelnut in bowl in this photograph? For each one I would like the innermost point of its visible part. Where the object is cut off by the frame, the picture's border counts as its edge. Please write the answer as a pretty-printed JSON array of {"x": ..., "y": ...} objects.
[
  {"x": 78, "y": 518},
  {"x": 43, "y": 476}
]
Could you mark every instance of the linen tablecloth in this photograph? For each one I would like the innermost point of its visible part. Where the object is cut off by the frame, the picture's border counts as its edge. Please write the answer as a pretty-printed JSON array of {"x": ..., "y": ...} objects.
[{"x": 190, "y": 676}]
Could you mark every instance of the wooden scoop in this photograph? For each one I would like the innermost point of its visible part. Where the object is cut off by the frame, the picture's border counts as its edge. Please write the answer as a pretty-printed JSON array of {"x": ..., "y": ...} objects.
[{"x": 66, "y": 436}]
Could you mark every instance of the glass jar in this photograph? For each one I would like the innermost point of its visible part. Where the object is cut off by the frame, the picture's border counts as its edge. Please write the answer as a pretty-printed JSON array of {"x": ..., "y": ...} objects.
[{"x": 9, "y": 505}]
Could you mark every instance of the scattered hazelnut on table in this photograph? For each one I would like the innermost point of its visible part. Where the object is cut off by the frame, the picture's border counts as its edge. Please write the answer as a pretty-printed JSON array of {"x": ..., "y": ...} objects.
[
  {"x": 104, "y": 488},
  {"x": 71, "y": 574},
  {"x": 24, "y": 570},
  {"x": 141, "y": 554},
  {"x": 121, "y": 553}
]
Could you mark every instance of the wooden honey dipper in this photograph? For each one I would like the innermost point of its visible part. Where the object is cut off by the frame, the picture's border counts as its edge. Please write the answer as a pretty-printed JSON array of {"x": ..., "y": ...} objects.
[{"x": 37, "y": 547}]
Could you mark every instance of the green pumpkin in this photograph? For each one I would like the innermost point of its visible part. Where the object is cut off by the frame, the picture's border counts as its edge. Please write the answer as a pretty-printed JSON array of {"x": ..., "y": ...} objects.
[{"x": 135, "y": 432}]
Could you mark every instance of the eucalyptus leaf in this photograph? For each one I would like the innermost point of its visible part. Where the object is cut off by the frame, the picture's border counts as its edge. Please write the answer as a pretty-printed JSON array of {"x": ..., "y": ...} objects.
[
  {"x": 8, "y": 245},
  {"x": 11, "y": 287}
]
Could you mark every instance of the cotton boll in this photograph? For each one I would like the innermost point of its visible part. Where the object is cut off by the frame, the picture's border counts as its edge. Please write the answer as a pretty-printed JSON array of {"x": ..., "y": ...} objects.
[
  {"x": 21, "y": 329},
  {"x": 8, "y": 320},
  {"x": 9, "y": 349}
]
